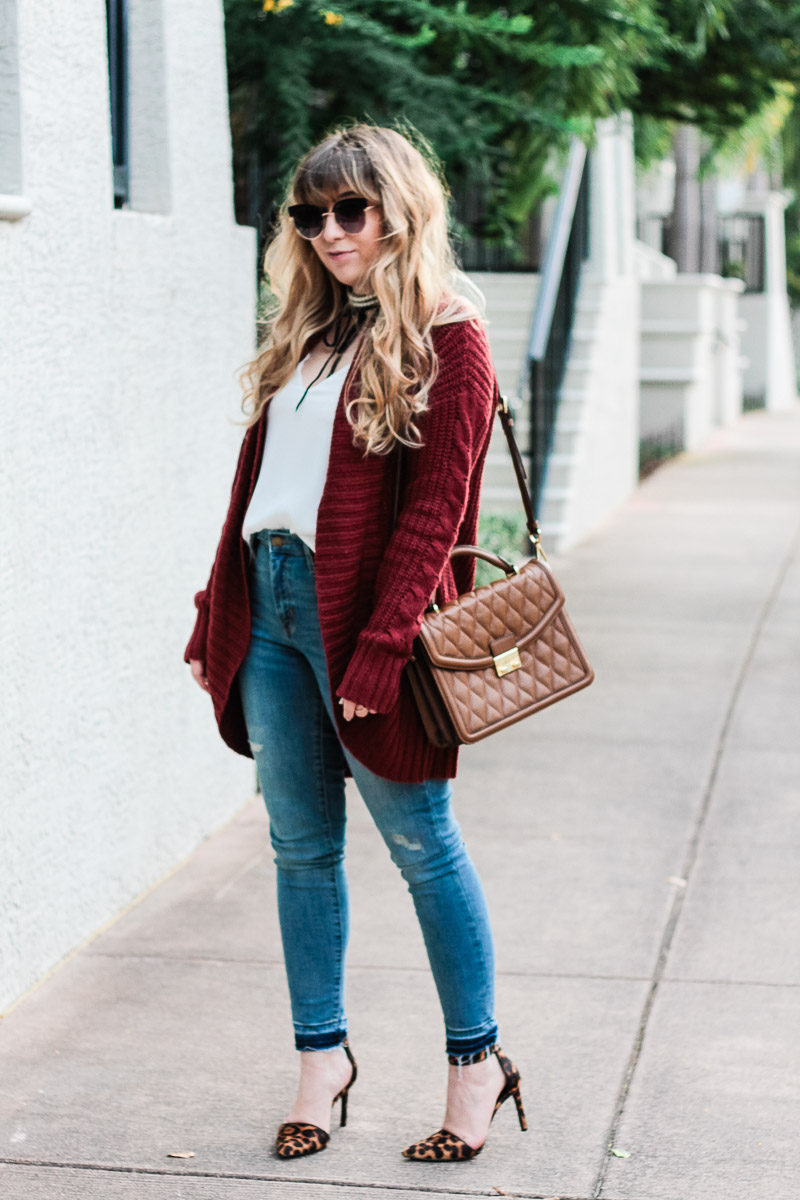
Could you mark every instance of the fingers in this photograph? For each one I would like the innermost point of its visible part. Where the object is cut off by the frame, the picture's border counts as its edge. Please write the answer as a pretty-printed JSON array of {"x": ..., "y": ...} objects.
[
  {"x": 198, "y": 670},
  {"x": 350, "y": 709}
]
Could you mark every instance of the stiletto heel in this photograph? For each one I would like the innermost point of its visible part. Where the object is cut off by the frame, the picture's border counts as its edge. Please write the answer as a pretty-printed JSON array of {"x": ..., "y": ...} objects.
[
  {"x": 444, "y": 1146},
  {"x": 523, "y": 1122},
  {"x": 343, "y": 1094},
  {"x": 296, "y": 1138}
]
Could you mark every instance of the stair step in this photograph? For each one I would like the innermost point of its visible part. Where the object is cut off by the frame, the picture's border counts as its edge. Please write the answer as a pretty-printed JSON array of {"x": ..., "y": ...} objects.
[
  {"x": 671, "y": 375},
  {"x": 584, "y": 341},
  {"x": 566, "y": 437},
  {"x": 577, "y": 384},
  {"x": 506, "y": 333},
  {"x": 560, "y": 466},
  {"x": 513, "y": 304},
  {"x": 588, "y": 305},
  {"x": 659, "y": 326},
  {"x": 557, "y": 494}
]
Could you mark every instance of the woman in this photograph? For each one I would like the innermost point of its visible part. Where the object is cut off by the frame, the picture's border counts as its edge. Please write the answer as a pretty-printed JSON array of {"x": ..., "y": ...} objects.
[{"x": 318, "y": 590}]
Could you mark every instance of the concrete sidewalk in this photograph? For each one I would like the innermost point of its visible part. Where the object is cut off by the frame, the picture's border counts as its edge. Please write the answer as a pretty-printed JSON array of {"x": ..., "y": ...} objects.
[{"x": 639, "y": 848}]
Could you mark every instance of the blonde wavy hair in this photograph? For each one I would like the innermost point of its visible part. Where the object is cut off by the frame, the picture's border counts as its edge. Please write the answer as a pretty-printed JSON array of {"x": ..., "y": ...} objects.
[{"x": 414, "y": 277}]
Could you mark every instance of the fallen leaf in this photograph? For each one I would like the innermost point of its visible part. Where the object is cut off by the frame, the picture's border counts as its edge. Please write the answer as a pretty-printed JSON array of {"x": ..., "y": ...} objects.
[
  {"x": 181, "y": 1154},
  {"x": 620, "y": 1153}
]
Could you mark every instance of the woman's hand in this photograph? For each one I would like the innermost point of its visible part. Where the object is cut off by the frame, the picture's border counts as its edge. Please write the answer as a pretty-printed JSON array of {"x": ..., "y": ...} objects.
[
  {"x": 198, "y": 669},
  {"x": 350, "y": 709}
]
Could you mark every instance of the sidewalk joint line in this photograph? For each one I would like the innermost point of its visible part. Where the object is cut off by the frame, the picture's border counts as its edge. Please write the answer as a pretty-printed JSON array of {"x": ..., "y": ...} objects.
[
  {"x": 119, "y": 1169},
  {"x": 755, "y": 983},
  {"x": 171, "y": 957},
  {"x": 690, "y": 860},
  {"x": 356, "y": 967}
]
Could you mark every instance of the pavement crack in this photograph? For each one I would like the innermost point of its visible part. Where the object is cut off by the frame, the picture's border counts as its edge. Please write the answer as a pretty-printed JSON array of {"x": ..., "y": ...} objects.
[
  {"x": 690, "y": 860},
  {"x": 303, "y": 1181}
]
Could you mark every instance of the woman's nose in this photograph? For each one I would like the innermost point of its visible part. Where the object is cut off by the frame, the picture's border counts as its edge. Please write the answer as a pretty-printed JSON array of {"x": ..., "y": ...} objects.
[{"x": 331, "y": 230}]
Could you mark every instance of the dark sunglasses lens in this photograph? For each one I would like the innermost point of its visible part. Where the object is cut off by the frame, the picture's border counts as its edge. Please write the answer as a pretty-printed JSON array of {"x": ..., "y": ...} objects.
[
  {"x": 307, "y": 219},
  {"x": 351, "y": 214}
]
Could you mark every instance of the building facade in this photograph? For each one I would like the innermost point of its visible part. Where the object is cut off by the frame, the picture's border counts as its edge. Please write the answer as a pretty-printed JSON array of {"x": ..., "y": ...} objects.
[{"x": 127, "y": 297}]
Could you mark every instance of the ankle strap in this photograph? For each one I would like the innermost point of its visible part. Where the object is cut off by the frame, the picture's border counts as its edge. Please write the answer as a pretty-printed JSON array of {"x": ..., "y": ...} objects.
[{"x": 466, "y": 1060}]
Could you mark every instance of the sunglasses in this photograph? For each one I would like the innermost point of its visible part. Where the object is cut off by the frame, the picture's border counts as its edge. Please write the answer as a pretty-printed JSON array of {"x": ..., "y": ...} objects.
[{"x": 309, "y": 219}]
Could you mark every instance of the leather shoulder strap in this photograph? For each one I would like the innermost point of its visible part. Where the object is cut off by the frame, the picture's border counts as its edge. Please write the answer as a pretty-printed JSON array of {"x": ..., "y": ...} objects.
[{"x": 507, "y": 421}]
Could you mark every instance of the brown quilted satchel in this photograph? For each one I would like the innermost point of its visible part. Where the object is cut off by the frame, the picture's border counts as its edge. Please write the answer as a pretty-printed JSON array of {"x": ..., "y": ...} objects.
[{"x": 501, "y": 652}]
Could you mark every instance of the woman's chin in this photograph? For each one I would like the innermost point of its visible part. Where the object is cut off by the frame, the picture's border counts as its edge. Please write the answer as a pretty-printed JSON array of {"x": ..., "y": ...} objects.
[
  {"x": 347, "y": 278},
  {"x": 349, "y": 274}
]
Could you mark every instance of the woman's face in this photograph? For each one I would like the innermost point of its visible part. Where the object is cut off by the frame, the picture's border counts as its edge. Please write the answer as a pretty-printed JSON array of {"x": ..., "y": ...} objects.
[{"x": 349, "y": 256}]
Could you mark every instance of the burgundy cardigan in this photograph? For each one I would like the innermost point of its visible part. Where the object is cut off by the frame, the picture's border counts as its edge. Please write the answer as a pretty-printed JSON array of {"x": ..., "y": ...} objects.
[{"x": 373, "y": 582}]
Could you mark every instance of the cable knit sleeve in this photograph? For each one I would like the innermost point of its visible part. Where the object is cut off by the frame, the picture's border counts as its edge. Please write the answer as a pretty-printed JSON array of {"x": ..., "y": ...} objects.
[{"x": 438, "y": 481}]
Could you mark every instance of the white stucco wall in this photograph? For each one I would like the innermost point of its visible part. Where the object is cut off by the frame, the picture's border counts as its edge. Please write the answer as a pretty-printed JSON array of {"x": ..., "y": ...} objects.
[{"x": 122, "y": 332}]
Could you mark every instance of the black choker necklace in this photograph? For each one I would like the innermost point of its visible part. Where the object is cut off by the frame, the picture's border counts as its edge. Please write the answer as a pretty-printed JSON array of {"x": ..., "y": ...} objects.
[{"x": 342, "y": 334}]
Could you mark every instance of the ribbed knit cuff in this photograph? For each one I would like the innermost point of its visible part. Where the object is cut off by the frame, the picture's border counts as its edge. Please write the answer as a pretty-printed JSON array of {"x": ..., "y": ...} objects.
[
  {"x": 196, "y": 647},
  {"x": 372, "y": 678}
]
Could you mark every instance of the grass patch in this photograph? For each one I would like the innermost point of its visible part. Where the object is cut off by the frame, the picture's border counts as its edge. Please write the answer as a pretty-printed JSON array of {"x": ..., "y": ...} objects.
[
  {"x": 503, "y": 535},
  {"x": 653, "y": 454}
]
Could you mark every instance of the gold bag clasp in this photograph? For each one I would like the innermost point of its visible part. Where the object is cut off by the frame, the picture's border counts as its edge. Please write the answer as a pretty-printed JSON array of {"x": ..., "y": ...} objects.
[{"x": 507, "y": 662}]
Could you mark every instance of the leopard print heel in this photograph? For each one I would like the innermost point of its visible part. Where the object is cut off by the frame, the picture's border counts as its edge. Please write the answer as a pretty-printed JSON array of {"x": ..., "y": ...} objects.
[
  {"x": 297, "y": 1138},
  {"x": 444, "y": 1146}
]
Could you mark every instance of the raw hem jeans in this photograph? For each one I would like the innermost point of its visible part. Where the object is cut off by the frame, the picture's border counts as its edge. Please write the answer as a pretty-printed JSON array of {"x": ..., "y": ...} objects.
[{"x": 301, "y": 764}]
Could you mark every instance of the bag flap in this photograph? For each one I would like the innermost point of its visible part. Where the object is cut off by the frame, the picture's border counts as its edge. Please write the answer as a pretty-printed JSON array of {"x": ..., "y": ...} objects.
[{"x": 460, "y": 634}]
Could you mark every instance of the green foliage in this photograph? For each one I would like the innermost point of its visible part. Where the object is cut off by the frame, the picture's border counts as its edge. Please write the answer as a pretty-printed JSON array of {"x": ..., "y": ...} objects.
[
  {"x": 497, "y": 90},
  {"x": 652, "y": 140},
  {"x": 654, "y": 452},
  {"x": 722, "y": 63},
  {"x": 758, "y": 140},
  {"x": 493, "y": 89},
  {"x": 790, "y": 150},
  {"x": 733, "y": 69},
  {"x": 503, "y": 535}
]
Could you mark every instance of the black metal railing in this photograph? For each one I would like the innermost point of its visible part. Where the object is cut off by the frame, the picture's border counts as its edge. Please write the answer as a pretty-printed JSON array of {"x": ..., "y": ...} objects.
[
  {"x": 522, "y": 250},
  {"x": 117, "y": 24},
  {"x": 740, "y": 244},
  {"x": 551, "y": 330},
  {"x": 742, "y": 249}
]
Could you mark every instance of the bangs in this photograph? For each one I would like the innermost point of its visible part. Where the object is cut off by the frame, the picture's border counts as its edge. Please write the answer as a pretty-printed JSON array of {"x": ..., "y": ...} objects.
[{"x": 333, "y": 168}]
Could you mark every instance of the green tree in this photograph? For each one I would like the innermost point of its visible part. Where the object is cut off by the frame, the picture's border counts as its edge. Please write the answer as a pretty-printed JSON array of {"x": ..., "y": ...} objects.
[
  {"x": 496, "y": 91},
  {"x": 722, "y": 63},
  {"x": 722, "y": 83},
  {"x": 493, "y": 90}
]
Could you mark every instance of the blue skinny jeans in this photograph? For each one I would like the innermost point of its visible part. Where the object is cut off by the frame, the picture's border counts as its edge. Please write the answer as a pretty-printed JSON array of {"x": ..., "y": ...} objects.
[{"x": 301, "y": 770}]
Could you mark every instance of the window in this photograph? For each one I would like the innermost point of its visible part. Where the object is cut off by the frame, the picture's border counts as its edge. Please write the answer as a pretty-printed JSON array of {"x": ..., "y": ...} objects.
[
  {"x": 137, "y": 76},
  {"x": 117, "y": 20},
  {"x": 10, "y": 139}
]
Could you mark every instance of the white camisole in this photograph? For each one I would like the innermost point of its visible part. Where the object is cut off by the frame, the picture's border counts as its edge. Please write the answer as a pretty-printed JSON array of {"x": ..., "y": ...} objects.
[{"x": 295, "y": 462}]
